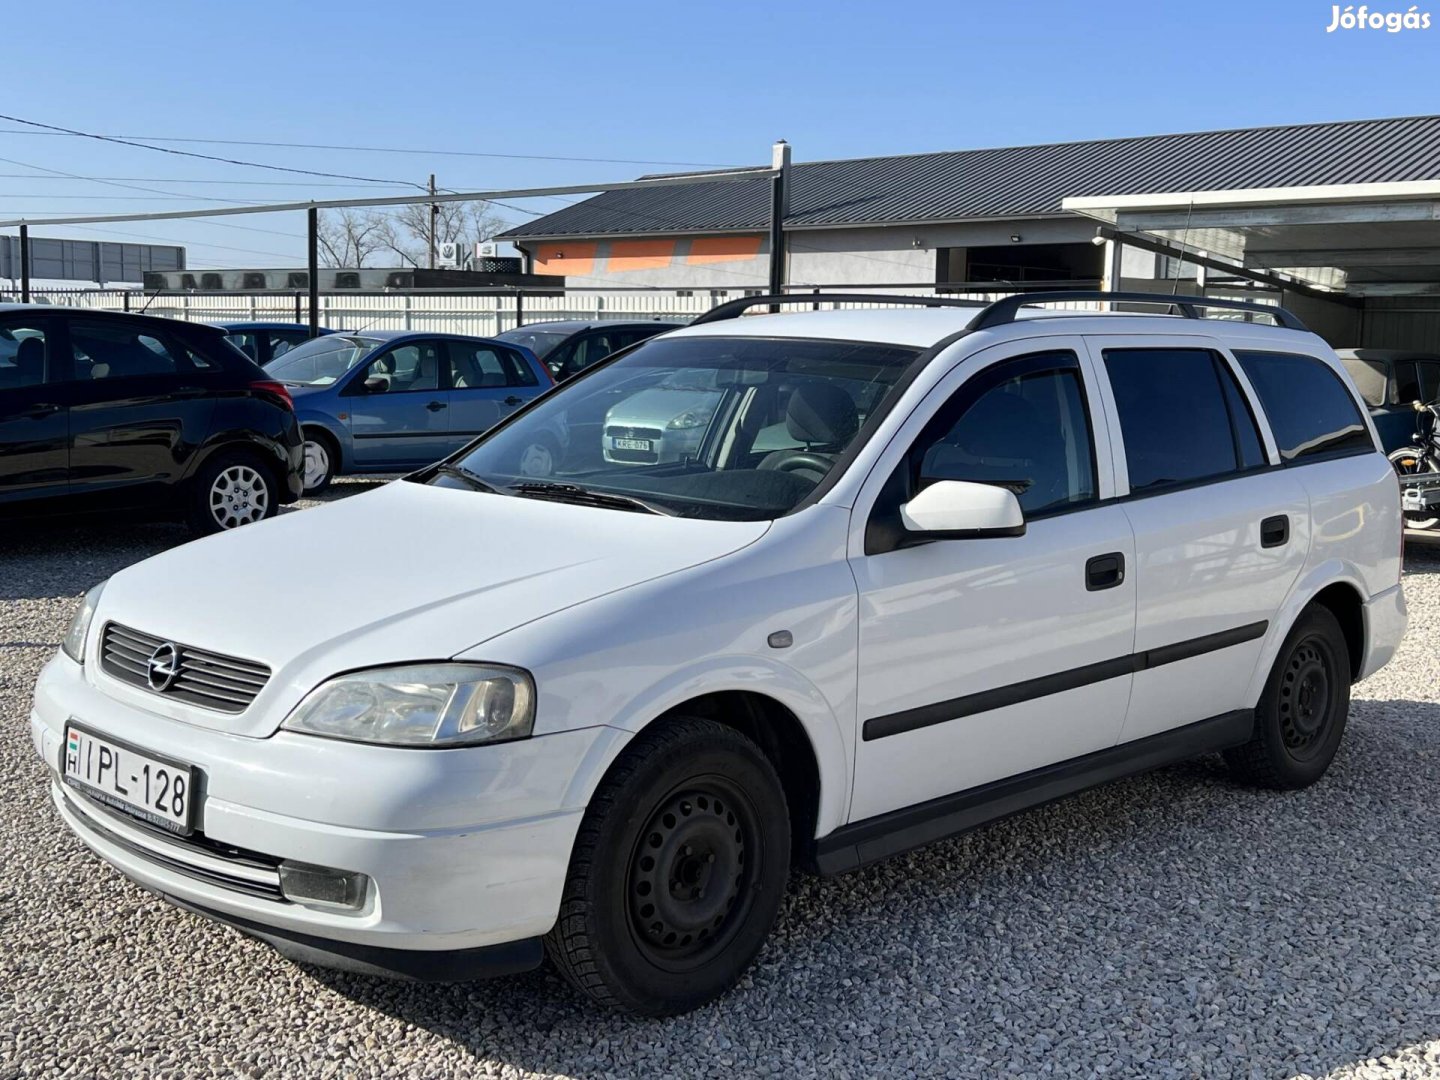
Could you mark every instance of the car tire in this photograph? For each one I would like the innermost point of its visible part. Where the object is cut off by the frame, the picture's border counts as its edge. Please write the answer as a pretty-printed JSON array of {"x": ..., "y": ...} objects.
[
  {"x": 1411, "y": 461},
  {"x": 541, "y": 457},
  {"x": 233, "y": 488},
  {"x": 677, "y": 872},
  {"x": 322, "y": 461},
  {"x": 1302, "y": 712}
]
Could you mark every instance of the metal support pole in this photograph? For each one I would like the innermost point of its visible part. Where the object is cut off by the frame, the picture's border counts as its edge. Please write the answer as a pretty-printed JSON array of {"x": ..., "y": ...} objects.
[
  {"x": 519, "y": 309},
  {"x": 434, "y": 220},
  {"x": 779, "y": 206},
  {"x": 24, "y": 264},
  {"x": 313, "y": 253}
]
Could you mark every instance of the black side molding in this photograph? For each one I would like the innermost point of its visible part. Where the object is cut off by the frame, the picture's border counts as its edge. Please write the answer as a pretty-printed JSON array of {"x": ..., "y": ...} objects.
[
  {"x": 880, "y": 727},
  {"x": 862, "y": 842}
]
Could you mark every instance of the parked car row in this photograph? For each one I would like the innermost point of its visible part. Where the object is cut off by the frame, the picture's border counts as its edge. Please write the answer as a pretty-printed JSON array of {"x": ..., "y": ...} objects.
[{"x": 223, "y": 424}]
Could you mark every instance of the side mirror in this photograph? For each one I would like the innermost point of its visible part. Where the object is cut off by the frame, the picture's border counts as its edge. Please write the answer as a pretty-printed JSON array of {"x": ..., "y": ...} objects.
[
  {"x": 962, "y": 510},
  {"x": 376, "y": 384}
]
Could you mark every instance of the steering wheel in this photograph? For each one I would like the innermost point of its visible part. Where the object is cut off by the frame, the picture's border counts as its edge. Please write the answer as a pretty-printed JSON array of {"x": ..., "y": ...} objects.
[{"x": 805, "y": 462}]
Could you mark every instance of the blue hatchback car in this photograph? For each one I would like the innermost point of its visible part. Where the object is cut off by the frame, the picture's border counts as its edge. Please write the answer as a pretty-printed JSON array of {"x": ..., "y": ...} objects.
[{"x": 379, "y": 401}]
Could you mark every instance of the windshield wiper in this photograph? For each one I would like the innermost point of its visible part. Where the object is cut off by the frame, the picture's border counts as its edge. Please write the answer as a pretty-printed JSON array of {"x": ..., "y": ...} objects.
[
  {"x": 461, "y": 473},
  {"x": 574, "y": 493}
]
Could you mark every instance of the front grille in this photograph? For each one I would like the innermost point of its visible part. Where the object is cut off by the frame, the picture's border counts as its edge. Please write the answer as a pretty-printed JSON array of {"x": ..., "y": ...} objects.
[
  {"x": 617, "y": 432},
  {"x": 210, "y": 680},
  {"x": 636, "y": 457}
]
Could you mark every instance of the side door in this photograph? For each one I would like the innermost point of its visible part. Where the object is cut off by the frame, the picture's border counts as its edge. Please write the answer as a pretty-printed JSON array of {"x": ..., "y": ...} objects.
[
  {"x": 987, "y": 658},
  {"x": 141, "y": 403},
  {"x": 399, "y": 412},
  {"x": 34, "y": 413},
  {"x": 487, "y": 383},
  {"x": 1221, "y": 532}
]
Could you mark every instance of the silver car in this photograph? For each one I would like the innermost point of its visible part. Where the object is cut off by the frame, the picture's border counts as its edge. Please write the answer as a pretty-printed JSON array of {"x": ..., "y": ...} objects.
[{"x": 666, "y": 422}]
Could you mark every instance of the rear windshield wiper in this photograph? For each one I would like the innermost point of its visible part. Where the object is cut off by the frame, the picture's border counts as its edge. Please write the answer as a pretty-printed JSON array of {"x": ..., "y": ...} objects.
[
  {"x": 464, "y": 475},
  {"x": 574, "y": 493}
]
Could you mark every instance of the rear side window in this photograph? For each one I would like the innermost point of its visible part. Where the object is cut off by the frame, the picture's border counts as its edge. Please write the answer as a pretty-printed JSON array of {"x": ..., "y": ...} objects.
[
  {"x": 1311, "y": 411},
  {"x": 116, "y": 350},
  {"x": 1370, "y": 377},
  {"x": 1181, "y": 418}
]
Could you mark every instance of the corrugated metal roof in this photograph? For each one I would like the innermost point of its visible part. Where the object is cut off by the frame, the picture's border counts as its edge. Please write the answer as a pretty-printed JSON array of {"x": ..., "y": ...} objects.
[{"x": 1020, "y": 181}]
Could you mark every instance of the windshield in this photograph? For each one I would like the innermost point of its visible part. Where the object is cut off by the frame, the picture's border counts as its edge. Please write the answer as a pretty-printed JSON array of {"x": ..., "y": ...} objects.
[
  {"x": 721, "y": 428},
  {"x": 539, "y": 342},
  {"x": 321, "y": 361}
]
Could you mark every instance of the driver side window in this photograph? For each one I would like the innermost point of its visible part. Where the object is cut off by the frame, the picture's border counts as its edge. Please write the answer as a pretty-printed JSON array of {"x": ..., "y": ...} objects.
[
  {"x": 1021, "y": 424},
  {"x": 406, "y": 367}
]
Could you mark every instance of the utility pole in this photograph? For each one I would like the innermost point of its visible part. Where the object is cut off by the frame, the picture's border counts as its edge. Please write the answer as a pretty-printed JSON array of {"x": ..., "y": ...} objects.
[{"x": 434, "y": 221}]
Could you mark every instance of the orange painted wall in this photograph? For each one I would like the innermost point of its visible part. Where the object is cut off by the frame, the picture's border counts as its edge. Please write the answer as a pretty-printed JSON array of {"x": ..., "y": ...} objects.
[
  {"x": 576, "y": 258},
  {"x": 639, "y": 255},
  {"x": 719, "y": 249}
]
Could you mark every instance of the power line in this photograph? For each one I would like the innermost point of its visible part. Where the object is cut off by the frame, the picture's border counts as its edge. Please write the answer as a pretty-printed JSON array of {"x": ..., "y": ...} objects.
[
  {"x": 352, "y": 149},
  {"x": 168, "y": 180},
  {"x": 204, "y": 157}
]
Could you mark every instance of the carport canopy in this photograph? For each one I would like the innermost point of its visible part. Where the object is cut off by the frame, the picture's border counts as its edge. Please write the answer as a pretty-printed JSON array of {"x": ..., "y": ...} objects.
[{"x": 1379, "y": 239}]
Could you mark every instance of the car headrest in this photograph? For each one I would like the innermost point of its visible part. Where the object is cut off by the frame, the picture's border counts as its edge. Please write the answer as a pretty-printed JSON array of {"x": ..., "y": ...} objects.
[
  {"x": 821, "y": 413},
  {"x": 30, "y": 359}
]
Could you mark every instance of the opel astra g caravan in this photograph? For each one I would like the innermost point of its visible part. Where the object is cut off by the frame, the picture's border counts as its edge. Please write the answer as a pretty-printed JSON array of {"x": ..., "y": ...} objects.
[{"x": 979, "y": 560}]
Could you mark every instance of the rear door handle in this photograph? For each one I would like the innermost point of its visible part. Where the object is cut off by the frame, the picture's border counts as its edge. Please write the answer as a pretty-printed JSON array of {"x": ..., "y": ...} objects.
[
  {"x": 512, "y": 400},
  {"x": 1104, "y": 571},
  {"x": 435, "y": 406},
  {"x": 39, "y": 412},
  {"x": 1275, "y": 531}
]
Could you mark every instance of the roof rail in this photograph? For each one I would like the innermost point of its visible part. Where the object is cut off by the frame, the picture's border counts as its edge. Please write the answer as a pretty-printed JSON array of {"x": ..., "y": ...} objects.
[
  {"x": 1005, "y": 311},
  {"x": 733, "y": 309}
]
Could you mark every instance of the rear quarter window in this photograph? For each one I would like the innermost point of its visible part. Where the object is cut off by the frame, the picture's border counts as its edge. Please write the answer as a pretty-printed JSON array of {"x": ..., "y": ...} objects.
[
  {"x": 1310, "y": 409},
  {"x": 1370, "y": 378}
]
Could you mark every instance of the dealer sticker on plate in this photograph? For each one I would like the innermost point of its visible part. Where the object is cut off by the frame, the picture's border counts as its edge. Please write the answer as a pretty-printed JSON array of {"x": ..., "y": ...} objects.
[{"x": 138, "y": 782}]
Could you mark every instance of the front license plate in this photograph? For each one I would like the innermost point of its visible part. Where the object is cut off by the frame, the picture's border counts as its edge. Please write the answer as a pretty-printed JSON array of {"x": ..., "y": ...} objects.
[
  {"x": 632, "y": 444},
  {"x": 141, "y": 784}
]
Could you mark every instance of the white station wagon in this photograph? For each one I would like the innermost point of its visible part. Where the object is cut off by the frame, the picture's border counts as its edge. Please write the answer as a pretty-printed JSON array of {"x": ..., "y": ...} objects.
[{"x": 923, "y": 568}]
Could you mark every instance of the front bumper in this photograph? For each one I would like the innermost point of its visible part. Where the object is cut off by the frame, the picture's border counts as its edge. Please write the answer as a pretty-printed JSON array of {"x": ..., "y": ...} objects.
[{"x": 464, "y": 849}]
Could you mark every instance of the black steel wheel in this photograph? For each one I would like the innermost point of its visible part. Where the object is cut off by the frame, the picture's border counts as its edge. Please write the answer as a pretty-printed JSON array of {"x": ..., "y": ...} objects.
[
  {"x": 1300, "y": 718},
  {"x": 677, "y": 872}
]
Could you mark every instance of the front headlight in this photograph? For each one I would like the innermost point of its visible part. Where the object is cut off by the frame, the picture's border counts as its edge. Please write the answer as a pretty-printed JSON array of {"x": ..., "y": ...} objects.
[
  {"x": 691, "y": 418},
  {"x": 421, "y": 705},
  {"x": 73, "y": 643}
]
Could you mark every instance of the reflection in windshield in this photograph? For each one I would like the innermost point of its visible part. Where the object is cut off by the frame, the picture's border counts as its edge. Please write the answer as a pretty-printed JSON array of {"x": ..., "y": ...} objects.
[
  {"x": 540, "y": 342},
  {"x": 722, "y": 428},
  {"x": 321, "y": 361}
]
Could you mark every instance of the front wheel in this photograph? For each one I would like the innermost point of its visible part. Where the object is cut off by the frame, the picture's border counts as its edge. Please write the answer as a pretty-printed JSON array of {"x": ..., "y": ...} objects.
[
  {"x": 321, "y": 460},
  {"x": 677, "y": 872},
  {"x": 1413, "y": 461},
  {"x": 1301, "y": 716}
]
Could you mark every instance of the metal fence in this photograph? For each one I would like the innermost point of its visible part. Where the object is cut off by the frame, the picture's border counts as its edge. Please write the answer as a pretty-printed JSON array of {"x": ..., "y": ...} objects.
[{"x": 477, "y": 313}]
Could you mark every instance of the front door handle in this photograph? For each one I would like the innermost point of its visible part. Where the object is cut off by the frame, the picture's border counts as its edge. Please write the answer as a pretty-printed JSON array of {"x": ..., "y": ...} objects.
[
  {"x": 1275, "y": 531},
  {"x": 1104, "y": 571},
  {"x": 512, "y": 400},
  {"x": 435, "y": 406},
  {"x": 40, "y": 411}
]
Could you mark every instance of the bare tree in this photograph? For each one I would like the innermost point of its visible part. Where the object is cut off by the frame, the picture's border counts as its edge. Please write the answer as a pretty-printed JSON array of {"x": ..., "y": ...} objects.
[
  {"x": 407, "y": 228},
  {"x": 347, "y": 237}
]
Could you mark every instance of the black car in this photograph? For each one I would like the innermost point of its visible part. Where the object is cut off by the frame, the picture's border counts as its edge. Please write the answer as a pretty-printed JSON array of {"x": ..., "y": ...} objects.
[
  {"x": 569, "y": 346},
  {"x": 104, "y": 412}
]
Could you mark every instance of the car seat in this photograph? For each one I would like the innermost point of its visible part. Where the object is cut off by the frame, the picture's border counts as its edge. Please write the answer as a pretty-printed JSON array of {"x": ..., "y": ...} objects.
[{"x": 823, "y": 418}]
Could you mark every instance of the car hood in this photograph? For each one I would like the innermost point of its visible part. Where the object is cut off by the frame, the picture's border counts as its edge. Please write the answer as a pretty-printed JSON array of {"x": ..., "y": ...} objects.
[{"x": 407, "y": 572}]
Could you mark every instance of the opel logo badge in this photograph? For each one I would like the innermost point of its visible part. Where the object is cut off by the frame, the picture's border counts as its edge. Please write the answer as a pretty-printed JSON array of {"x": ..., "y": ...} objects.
[{"x": 163, "y": 668}]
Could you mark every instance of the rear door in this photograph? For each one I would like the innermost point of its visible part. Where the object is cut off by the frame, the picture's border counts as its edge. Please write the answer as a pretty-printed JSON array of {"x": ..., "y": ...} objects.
[
  {"x": 487, "y": 383},
  {"x": 401, "y": 419},
  {"x": 34, "y": 413},
  {"x": 1220, "y": 533},
  {"x": 141, "y": 403}
]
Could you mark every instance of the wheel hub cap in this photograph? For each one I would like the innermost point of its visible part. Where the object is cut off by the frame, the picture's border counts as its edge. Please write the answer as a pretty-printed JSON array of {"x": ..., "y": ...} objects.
[
  {"x": 238, "y": 496},
  {"x": 687, "y": 873}
]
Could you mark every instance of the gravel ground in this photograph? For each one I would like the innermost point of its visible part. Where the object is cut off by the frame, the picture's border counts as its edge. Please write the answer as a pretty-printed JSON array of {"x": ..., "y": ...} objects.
[{"x": 1171, "y": 925}]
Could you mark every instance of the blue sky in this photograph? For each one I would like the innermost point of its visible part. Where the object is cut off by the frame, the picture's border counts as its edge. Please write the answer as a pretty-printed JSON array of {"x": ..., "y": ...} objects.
[{"x": 664, "y": 82}]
